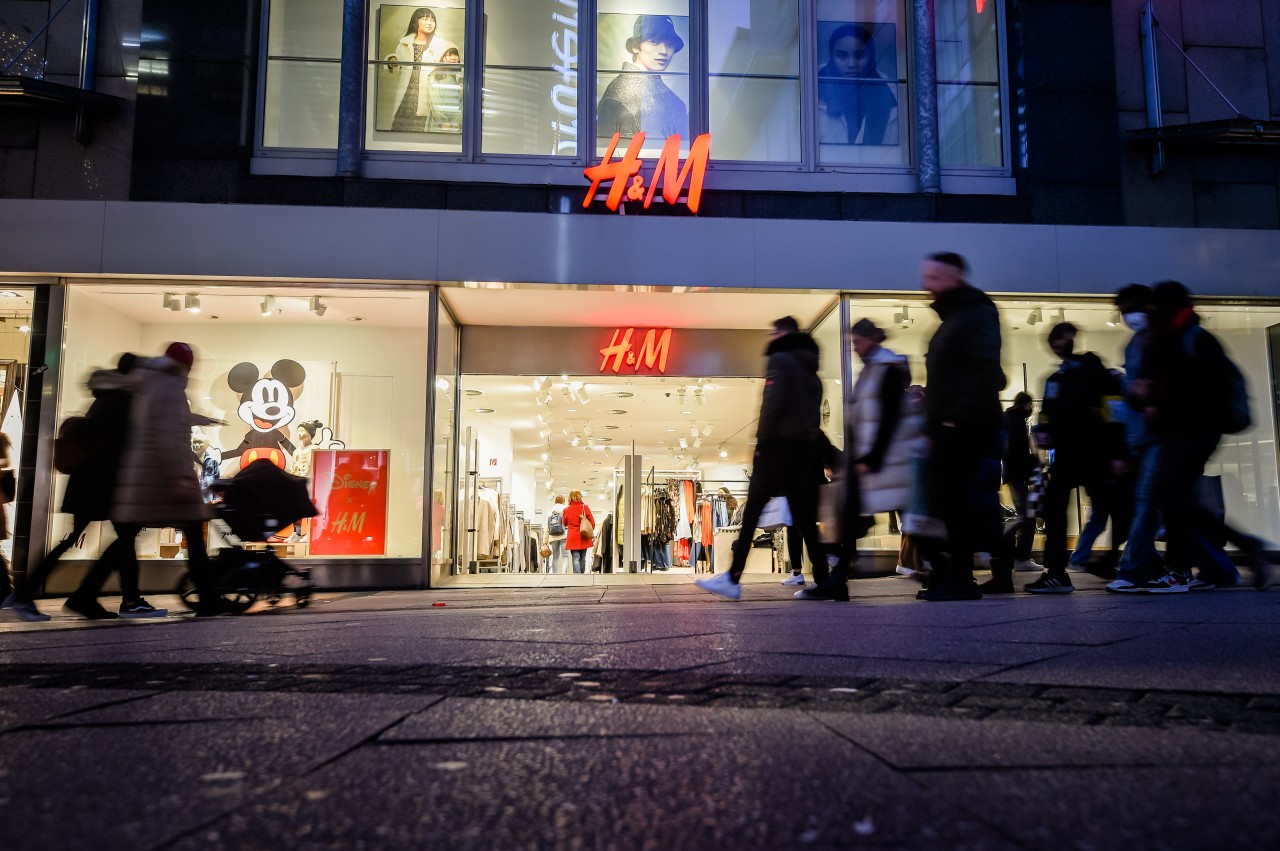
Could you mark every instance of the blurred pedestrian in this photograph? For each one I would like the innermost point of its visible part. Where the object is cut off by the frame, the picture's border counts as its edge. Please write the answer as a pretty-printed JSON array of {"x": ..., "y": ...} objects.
[
  {"x": 157, "y": 485},
  {"x": 1191, "y": 394},
  {"x": 1079, "y": 424},
  {"x": 788, "y": 458},
  {"x": 884, "y": 430},
  {"x": 962, "y": 422}
]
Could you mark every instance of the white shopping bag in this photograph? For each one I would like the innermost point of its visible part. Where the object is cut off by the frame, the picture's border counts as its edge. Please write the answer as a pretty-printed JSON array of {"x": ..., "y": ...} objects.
[{"x": 776, "y": 514}]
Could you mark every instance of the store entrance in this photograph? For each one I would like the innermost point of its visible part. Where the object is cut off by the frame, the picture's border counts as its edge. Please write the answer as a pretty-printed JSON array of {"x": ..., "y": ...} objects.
[{"x": 649, "y": 422}]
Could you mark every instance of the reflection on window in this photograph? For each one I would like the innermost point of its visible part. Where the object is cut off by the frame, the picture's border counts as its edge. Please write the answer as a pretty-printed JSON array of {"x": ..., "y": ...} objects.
[
  {"x": 646, "y": 44},
  {"x": 862, "y": 92},
  {"x": 969, "y": 119},
  {"x": 754, "y": 86},
  {"x": 416, "y": 81},
  {"x": 304, "y": 48},
  {"x": 531, "y": 77}
]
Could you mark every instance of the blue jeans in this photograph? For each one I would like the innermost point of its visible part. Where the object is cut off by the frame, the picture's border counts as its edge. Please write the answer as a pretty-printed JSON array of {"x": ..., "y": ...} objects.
[
  {"x": 1096, "y": 525},
  {"x": 579, "y": 560},
  {"x": 556, "y": 561},
  {"x": 1140, "y": 556}
]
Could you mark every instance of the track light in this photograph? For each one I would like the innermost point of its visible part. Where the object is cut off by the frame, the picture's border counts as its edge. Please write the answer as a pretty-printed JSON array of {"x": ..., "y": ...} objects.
[
  {"x": 1035, "y": 317},
  {"x": 706, "y": 431},
  {"x": 693, "y": 429},
  {"x": 702, "y": 400},
  {"x": 192, "y": 303},
  {"x": 582, "y": 395},
  {"x": 269, "y": 306},
  {"x": 1115, "y": 319},
  {"x": 697, "y": 443},
  {"x": 903, "y": 316},
  {"x": 172, "y": 302},
  {"x": 684, "y": 444},
  {"x": 317, "y": 306},
  {"x": 576, "y": 440}
]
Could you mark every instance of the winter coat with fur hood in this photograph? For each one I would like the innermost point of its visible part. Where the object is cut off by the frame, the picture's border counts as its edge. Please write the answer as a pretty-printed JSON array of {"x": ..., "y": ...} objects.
[{"x": 157, "y": 483}]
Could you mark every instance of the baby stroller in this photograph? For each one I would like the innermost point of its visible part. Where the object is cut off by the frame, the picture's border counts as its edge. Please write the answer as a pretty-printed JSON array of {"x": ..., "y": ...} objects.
[{"x": 254, "y": 505}]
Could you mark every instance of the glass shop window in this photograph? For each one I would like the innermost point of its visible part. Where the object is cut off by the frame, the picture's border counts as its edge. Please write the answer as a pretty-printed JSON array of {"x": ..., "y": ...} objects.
[
  {"x": 304, "y": 54},
  {"x": 968, "y": 57},
  {"x": 753, "y": 54},
  {"x": 863, "y": 110}
]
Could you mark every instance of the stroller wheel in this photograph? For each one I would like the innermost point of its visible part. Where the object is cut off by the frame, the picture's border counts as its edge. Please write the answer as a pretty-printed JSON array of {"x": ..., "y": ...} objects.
[
  {"x": 302, "y": 598},
  {"x": 238, "y": 590},
  {"x": 187, "y": 592},
  {"x": 273, "y": 599}
]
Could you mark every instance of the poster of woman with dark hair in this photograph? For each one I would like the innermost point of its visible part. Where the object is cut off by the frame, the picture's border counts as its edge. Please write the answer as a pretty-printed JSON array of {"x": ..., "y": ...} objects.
[
  {"x": 857, "y": 102},
  {"x": 417, "y": 81}
]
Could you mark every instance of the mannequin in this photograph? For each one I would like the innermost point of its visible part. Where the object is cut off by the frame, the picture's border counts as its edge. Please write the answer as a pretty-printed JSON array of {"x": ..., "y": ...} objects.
[
  {"x": 301, "y": 463},
  {"x": 208, "y": 459}
]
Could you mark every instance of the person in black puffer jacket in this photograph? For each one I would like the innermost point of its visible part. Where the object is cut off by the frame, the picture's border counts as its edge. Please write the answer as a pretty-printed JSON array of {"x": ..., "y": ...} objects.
[
  {"x": 963, "y": 422},
  {"x": 788, "y": 459}
]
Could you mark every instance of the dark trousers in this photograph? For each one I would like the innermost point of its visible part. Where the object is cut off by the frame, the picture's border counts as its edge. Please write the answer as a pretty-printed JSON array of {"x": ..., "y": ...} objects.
[
  {"x": 1108, "y": 497},
  {"x": 962, "y": 463},
  {"x": 1025, "y": 534},
  {"x": 1188, "y": 526},
  {"x": 793, "y": 470},
  {"x": 36, "y": 578},
  {"x": 122, "y": 555}
]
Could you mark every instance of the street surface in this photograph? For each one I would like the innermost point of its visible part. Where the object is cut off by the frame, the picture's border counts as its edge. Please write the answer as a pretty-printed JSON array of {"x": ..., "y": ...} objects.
[{"x": 629, "y": 714}]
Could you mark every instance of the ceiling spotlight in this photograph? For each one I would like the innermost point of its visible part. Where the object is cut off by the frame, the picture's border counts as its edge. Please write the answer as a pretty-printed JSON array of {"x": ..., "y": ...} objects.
[
  {"x": 442, "y": 384},
  {"x": 697, "y": 444},
  {"x": 537, "y": 383},
  {"x": 1062, "y": 316},
  {"x": 317, "y": 306},
  {"x": 576, "y": 440},
  {"x": 544, "y": 456},
  {"x": 544, "y": 433},
  {"x": 24, "y": 328},
  {"x": 192, "y": 303},
  {"x": 724, "y": 453},
  {"x": 269, "y": 305},
  {"x": 684, "y": 444},
  {"x": 693, "y": 429},
  {"x": 1114, "y": 319},
  {"x": 172, "y": 302},
  {"x": 583, "y": 397},
  {"x": 706, "y": 431},
  {"x": 903, "y": 316},
  {"x": 1035, "y": 316}
]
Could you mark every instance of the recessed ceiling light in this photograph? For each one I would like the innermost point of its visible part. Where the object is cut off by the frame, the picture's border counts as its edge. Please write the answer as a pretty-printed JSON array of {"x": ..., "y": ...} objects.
[
  {"x": 604, "y": 440},
  {"x": 474, "y": 392},
  {"x": 670, "y": 429},
  {"x": 686, "y": 412},
  {"x": 484, "y": 410},
  {"x": 610, "y": 427},
  {"x": 662, "y": 443},
  {"x": 617, "y": 412},
  {"x": 571, "y": 410},
  {"x": 621, "y": 394}
]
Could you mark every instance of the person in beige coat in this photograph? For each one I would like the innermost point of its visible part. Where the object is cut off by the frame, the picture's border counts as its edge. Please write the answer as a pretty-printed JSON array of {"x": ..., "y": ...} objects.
[{"x": 157, "y": 485}]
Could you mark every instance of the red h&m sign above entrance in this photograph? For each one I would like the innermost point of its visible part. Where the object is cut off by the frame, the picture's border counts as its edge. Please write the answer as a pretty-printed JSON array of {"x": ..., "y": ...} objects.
[
  {"x": 626, "y": 178},
  {"x": 622, "y": 351}
]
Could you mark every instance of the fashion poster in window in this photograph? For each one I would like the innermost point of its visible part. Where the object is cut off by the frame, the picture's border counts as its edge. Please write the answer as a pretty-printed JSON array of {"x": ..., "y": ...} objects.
[
  {"x": 857, "y": 83},
  {"x": 419, "y": 80},
  {"x": 650, "y": 95}
]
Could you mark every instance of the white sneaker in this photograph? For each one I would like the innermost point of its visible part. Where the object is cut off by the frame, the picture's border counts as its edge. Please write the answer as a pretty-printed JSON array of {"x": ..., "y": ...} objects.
[
  {"x": 1124, "y": 586},
  {"x": 794, "y": 579},
  {"x": 1027, "y": 566},
  {"x": 903, "y": 570},
  {"x": 722, "y": 585}
]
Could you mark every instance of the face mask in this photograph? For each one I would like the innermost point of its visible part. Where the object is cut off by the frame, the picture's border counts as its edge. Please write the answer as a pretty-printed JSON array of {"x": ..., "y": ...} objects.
[{"x": 1137, "y": 322}]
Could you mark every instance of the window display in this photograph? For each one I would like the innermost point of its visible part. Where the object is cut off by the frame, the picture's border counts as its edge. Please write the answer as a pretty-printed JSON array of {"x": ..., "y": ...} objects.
[
  {"x": 284, "y": 382},
  {"x": 863, "y": 110},
  {"x": 416, "y": 84},
  {"x": 304, "y": 52},
  {"x": 969, "y": 103},
  {"x": 651, "y": 94}
]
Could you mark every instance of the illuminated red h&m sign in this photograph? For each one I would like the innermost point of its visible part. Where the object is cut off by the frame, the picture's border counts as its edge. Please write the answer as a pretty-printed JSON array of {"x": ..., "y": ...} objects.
[
  {"x": 622, "y": 351},
  {"x": 626, "y": 178}
]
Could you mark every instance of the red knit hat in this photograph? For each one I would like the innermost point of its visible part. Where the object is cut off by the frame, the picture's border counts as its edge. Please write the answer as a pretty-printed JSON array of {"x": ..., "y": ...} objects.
[{"x": 181, "y": 353}]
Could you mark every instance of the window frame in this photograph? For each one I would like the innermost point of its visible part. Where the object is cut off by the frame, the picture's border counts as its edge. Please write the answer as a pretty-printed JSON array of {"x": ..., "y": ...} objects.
[{"x": 472, "y": 165}]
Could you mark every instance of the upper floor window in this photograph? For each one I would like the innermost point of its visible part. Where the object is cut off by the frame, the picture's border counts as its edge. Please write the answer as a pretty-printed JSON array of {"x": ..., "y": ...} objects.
[{"x": 808, "y": 86}]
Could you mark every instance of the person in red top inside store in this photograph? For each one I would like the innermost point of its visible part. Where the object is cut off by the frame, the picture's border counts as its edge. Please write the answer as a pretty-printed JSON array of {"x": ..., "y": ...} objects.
[{"x": 581, "y": 537}]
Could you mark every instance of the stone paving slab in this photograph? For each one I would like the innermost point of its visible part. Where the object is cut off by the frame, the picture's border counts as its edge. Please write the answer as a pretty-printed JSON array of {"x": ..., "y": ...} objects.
[{"x": 746, "y": 790}]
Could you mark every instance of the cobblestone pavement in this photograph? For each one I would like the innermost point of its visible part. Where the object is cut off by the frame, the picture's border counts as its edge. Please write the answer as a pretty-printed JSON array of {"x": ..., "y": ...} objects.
[{"x": 648, "y": 715}]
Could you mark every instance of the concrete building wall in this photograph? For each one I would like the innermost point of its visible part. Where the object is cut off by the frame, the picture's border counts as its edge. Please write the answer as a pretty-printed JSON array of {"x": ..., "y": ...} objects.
[{"x": 1237, "y": 44}]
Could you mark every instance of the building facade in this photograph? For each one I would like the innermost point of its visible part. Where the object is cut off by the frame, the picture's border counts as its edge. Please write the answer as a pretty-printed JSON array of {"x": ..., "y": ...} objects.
[{"x": 417, "y": 230}]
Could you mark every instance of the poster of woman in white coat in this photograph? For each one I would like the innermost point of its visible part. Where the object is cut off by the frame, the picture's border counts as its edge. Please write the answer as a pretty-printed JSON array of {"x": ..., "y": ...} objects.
[{"x": 419, "y": 47}]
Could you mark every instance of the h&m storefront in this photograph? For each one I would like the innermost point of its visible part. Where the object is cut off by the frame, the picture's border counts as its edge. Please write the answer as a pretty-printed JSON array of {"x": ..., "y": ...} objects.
[{"x": 515, "y": 355}]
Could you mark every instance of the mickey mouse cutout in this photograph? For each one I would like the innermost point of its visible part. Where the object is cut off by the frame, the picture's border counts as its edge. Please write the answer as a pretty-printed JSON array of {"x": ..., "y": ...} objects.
[{"x": 266, "y": 406}]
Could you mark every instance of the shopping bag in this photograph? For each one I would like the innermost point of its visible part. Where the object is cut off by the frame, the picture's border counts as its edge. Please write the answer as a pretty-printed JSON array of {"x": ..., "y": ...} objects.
[
  {"x": 776, "y": 514},
  {"x": 923, "y": 518},
  {"x": 831, "y": 504}
]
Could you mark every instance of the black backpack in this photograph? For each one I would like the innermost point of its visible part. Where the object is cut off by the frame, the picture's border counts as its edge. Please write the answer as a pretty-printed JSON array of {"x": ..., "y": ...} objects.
[{"x": 1233, "y": 414}]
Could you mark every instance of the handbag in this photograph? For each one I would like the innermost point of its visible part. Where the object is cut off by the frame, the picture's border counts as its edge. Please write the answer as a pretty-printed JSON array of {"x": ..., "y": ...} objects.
[
  {"x": 831, "y": 504},
  {"x": 776, "y": 514},
  {"x": 8, "y": 486},
  {"x": 545, "y": 552},
  {"x": 586, "y": 529}
]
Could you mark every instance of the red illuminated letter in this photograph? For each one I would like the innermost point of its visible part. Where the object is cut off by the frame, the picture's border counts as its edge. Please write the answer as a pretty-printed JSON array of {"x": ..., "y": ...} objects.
[
  {"x": 617, "y": 349},
  {"x": 618, "y": 172},
  {"x": 669, "y": 162},
  {"x": 649, "y": 353}
]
